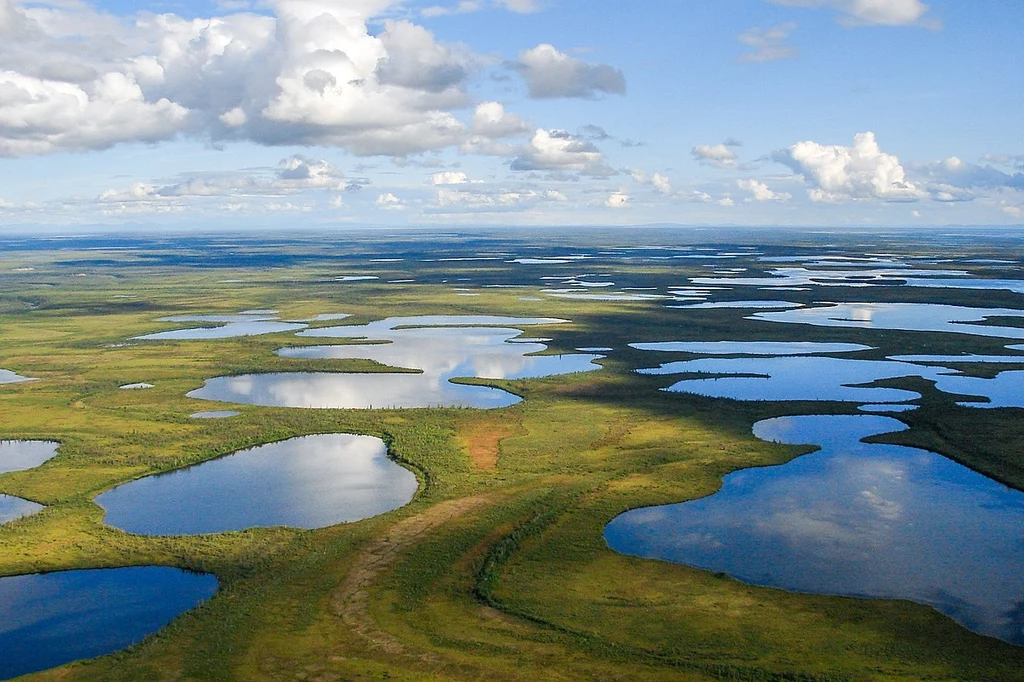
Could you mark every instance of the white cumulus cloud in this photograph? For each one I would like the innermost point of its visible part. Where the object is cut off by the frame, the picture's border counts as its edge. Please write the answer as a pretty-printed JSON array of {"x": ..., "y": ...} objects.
[
  {"x": 549, "y": 73},
  {"x": 490, "y": 120},
  {"x": 656, "y": 180},
  {"x": 617, "y": 199},
  {"x": 861, "y": 171},
  {"x": 879, "y": 12},
  {"x": 558, "y": 150},
  {"x": 387, "y": 200},
  {"x": 721, "y": 155},
  {"x": 759, "y": 191},
  {"x": 450, "y": 178},
  {"x": 954, "y": 179}
]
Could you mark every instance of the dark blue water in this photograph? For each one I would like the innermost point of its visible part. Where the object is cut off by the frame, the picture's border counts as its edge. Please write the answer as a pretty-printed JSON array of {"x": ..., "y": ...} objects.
[
  {"x": 307, "y": 482},
  {"x": 54, "y": 618},
  {"x": 853, "y": 519},
  {"x": 795, "y": 378},
  {"x": 929, "y": 317}
]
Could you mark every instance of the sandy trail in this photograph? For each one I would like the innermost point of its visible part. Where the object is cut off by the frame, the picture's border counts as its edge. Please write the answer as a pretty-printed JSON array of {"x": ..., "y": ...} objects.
[{"x": 350, "y": 599}]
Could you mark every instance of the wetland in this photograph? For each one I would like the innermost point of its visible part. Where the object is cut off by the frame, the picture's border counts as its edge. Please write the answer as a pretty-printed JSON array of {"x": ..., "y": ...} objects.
[{"x": 828, "y": 489}]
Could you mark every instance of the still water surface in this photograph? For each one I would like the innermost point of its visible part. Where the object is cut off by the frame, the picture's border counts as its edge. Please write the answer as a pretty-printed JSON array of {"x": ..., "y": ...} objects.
[
  {"x": 440, "y": 347},
  {"x": 19, "y": 455},
  {"x": 927, "y": 317},
  {"x": 306, "y": 482},
  {"x": 795, "y": 378},
  {"x": 50, "y": 619},
  {"x": 855, "y": 519},
  {"x": 249, "y": 323},
  {"x": 12, "y": 508},
  {"x": 9, "y": 377}
]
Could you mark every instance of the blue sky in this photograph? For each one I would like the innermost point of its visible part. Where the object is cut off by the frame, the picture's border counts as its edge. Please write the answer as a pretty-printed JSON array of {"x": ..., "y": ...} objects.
[{"x": 290, "y": 113}]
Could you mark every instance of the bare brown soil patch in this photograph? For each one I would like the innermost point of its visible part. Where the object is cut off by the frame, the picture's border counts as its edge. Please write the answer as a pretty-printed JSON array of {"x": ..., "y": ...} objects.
[{"x": 482, "y": 438}]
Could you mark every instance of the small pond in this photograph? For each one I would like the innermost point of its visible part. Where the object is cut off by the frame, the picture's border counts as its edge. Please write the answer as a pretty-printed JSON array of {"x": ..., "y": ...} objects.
[
  {"x": 9, "y": 377},
  {"x": 855, "y": 519},
  {"x": 19, "y": 455},
  {"x": 12, "y": 508},
  {"x": 440, "y": 348},
  {"x": 306, "y": 482},
  {"x": 50, "y": 619},
  {"x": 215, "y": 414}
]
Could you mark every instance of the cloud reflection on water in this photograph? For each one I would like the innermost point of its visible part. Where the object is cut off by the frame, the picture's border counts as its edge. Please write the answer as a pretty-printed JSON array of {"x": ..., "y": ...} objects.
[{"x": 855, "y": 519}]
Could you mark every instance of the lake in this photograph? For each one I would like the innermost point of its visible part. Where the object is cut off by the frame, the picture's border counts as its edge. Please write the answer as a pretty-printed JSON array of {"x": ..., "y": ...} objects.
[
  {"x": 925, "y": 317},
  {"x": 248, "y": 323},
  {"x": 853, "y": 518},
  {"x": 305, "y": 482},
  {"x": 50, "y": 619},
  {"x": 439, "y": 347}
]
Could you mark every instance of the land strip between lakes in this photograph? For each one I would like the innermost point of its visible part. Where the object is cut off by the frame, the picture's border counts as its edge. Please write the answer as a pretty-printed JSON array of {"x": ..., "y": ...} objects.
[{"x": 351, "y": 598}]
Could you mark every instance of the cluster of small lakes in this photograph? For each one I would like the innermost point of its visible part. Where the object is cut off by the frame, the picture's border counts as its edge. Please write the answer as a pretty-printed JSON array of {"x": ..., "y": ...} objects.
[{"x": 853, "y": 518}]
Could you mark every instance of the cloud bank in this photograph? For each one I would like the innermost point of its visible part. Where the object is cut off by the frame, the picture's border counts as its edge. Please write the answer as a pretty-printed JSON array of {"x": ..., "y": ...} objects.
[{"x": 74, "y": 78}]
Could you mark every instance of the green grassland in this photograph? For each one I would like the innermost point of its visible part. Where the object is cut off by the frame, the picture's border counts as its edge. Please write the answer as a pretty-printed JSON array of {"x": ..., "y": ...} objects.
[{"x": 497, "y": 569}]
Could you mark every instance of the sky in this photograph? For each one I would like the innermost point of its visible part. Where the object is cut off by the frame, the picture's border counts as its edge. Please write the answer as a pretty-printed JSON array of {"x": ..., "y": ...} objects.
[{"x": 302, "y": 113}]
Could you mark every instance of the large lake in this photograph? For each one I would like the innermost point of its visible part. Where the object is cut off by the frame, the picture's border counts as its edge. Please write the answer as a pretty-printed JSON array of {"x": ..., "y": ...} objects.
[
  {"x": 789, "y": 372},
  {"x": 853, "y": 519},
  {"x": 926, "y": 317},
  {"x": 50, "y": 619},
  {"x": 306, "y": 482},
  {"x": 439, "y": 347}
]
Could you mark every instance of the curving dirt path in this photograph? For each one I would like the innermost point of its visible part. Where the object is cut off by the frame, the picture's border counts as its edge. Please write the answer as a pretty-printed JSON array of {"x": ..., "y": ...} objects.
[{"x": 350, "y": 599}]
